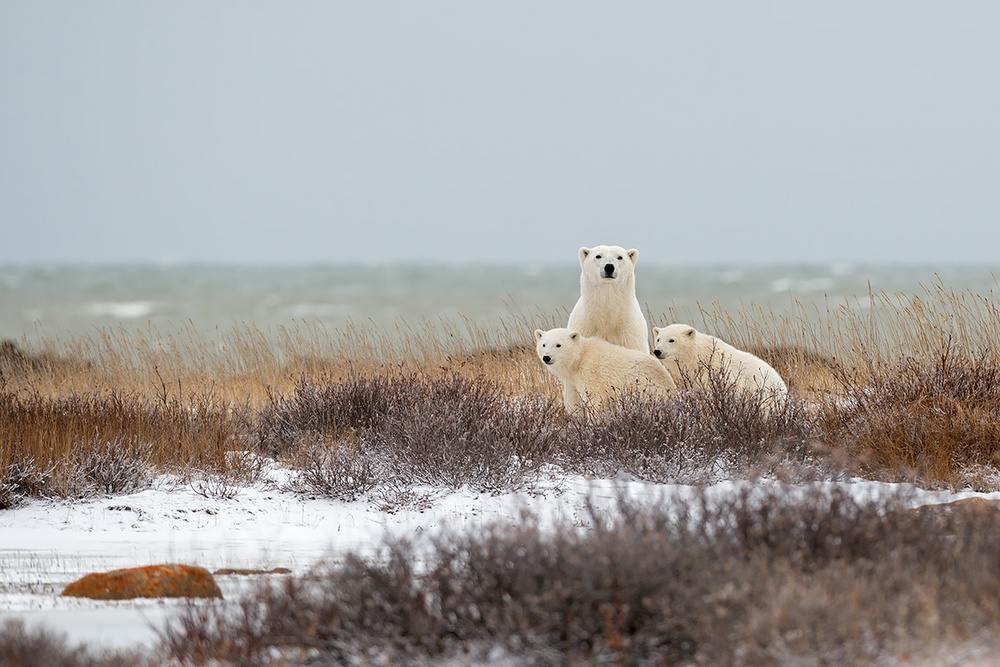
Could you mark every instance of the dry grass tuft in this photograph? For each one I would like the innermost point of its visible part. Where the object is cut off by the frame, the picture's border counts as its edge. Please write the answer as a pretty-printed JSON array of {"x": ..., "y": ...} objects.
[
  {"x": 929, "y": 418},
  {"x": 106, "y": 443}
]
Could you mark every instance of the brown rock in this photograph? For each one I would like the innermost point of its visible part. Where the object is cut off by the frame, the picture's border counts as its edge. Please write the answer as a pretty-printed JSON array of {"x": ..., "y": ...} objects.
[{"x": 152, "y": 581}]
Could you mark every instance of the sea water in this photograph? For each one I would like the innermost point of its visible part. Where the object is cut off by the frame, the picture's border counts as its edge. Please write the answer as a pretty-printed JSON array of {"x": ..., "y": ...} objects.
[{"x": 42, "y": 302}]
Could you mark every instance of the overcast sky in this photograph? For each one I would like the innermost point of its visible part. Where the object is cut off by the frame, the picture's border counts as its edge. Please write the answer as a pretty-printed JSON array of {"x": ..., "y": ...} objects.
[{"x": 696, "y": 132}]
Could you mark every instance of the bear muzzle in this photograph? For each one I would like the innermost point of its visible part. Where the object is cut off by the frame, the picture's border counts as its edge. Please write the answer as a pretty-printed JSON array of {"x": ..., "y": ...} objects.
[
  {"x": 609, "y": 271},
  {"x": 547, "y": 360},
  {"x": 658, "y": 354}
]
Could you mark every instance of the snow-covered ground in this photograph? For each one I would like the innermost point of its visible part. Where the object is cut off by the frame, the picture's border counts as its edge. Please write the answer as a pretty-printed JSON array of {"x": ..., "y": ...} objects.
[{"x": 46, "y": 544}]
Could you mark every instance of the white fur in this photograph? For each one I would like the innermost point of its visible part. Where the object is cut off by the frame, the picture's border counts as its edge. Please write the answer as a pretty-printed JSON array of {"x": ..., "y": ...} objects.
[
  {"x": 598, "y": 372},
  {"x": 607, "y": 307},
  {"x": 690, "y": 355}
]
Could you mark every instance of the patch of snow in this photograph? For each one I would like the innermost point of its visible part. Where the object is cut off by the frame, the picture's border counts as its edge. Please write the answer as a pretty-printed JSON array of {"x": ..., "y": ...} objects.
[{"x": 46, "y": 544}]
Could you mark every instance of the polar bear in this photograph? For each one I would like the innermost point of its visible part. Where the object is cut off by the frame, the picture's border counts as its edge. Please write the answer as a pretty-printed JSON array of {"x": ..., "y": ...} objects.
[
  {"x": 607, "y": 307},
  {"x": 599, "y": 372},
  {"x": 689, "y": 354}
]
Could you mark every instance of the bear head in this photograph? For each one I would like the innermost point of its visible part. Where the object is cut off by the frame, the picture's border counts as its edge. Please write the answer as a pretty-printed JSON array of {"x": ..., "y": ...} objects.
[
  {"x": 670, "y": 341},
  {"x": 555, "y": 345},
  {"x": 607, "y": 263}
]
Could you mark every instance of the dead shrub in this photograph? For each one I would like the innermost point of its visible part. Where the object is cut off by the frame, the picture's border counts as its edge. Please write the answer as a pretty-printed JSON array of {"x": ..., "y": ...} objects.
[
  {"x": 929, "y": 418},
  {"x": 335, "y": 472},
  {"x": 327, "y": 410},
  {"x": 454, "y": 430},
  {"x": 449, "y": 429},
  {"x": 109, "y": 467},
  {"x": 700, "y": 435},
  {"x": 22, "y": 479},
  {"x": 759, "y": 578},
  {"x": 38, "y": 647}
]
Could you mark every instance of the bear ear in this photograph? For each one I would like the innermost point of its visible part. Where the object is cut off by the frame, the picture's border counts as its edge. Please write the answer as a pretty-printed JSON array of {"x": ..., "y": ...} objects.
[
  {"x": 633, "y": 254},
  {"x": 583, "y": 254},
  {"x": 538, "y": 334},
  {"x": 690, "y": 332},
  {"x": 574, "y": 335},
  {"x": 656, "y": 331}
]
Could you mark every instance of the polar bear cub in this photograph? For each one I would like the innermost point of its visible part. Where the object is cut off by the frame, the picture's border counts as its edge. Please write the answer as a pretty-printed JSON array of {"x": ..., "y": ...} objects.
[
  {"x": 599, "y": 372},
  {"x": 688, "y": 354}
]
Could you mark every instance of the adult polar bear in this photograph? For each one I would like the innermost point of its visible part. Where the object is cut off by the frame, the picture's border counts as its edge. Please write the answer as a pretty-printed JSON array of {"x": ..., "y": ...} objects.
[
  {"x": 600, "y": 372},
  {"x": 607, "y": 307},
  {"x": 690, "y": 354}
]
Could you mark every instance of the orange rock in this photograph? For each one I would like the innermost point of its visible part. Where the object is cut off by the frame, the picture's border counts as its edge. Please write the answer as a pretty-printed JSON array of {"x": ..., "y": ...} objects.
[{"x": 153, "y": 581}]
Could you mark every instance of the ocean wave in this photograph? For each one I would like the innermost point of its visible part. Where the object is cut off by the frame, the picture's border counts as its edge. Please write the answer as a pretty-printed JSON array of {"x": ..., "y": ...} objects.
[
  {"x": 299, "y": 310},
  {"x": 802, "y": 286},
  {"x": 124, "y": 310},
  {"x": 61, "y": 300}
]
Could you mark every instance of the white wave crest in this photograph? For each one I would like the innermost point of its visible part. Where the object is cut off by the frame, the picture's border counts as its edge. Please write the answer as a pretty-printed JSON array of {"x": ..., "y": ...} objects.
[{"x": 125, "y": 310}]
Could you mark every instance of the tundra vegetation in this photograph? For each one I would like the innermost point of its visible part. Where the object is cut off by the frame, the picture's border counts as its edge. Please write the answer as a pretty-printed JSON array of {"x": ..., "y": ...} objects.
[{"x": 889, "y": 388}]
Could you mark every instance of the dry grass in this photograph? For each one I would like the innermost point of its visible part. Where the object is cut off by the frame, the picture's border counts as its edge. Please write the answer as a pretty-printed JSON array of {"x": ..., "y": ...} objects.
[
  {"x": 104, "y": 442},
  {"x": 901, "y": 386},
  {"x": 935, "y": 419},
  {"x": 804, "y": 342}
]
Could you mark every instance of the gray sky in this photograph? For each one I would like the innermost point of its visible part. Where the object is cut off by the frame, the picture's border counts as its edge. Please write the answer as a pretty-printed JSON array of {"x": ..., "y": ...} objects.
[{"x": 504, "y": 132}]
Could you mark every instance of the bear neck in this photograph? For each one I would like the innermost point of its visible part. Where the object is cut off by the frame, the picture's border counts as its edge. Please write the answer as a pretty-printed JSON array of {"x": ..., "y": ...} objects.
[
  {"x": 609, "y": 290},
  {"x": 569, "y": 363},
  {"x": 686, "y": 359}
]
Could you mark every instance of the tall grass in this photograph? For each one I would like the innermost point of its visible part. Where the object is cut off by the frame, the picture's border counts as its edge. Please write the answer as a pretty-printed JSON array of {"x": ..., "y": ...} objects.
[
  {"x": 863, "y": 332},
  {"x": 246, "y": 363},
  {"x": 900, "y": 386}
]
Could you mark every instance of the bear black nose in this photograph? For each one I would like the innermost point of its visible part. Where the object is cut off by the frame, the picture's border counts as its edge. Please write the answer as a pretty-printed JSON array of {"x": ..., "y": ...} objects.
[
  {"x": 657, "y": 354},
  {"x": 609, "y": 269},
  {"x": 547, "y": 359}
]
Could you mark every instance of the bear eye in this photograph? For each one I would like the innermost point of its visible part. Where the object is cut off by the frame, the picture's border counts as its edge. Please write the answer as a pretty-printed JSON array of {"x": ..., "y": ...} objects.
[
  {"x": 597, "y": 256},
  {"x": 670, "y": 340},
  {"x": 619, "y": 258},
  {"x": 558, "y": 344}
]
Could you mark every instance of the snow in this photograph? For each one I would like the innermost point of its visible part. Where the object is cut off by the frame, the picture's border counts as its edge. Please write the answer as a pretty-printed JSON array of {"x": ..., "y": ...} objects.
[{"x": 46, "y": 544}]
